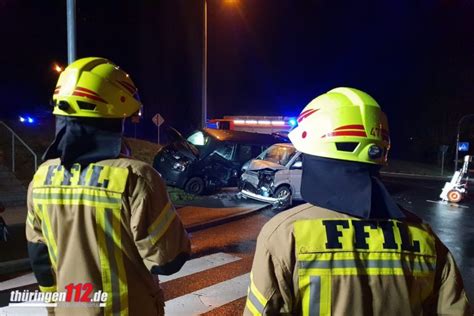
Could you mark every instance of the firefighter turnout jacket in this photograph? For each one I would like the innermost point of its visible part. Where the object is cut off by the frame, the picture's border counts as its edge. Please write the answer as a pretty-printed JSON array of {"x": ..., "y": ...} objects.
[
  {"x": 104, "y": 227},
  {"x": 314, "y": 261}
]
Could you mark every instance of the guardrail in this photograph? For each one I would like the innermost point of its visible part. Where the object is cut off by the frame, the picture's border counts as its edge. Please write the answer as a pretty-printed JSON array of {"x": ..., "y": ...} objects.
[{"x": 15, "y": 136}]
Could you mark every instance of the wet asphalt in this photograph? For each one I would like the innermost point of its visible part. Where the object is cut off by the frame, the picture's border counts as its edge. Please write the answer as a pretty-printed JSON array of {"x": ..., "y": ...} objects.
[
  {"x": 236, "y": 238},
  {"x": 453, "y": 224}
]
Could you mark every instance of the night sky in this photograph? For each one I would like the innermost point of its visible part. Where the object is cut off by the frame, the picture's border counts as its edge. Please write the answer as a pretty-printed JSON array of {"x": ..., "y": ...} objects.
[{"x": 266, "y": 57}]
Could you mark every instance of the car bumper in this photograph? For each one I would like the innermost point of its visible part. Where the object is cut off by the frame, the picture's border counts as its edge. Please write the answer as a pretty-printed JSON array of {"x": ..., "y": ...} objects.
[
  {"x": 174, "y": 178},
  {"x": 261, "y": 198}
]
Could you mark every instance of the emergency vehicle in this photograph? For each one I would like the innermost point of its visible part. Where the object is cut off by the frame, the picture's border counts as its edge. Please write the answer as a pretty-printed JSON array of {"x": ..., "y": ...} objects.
[{"x": 255, "y": 124}]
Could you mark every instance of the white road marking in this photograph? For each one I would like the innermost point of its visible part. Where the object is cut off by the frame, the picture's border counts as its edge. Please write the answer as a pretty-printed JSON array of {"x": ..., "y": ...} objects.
[
  {"x": 201, "y": 264},
  {"x": 20, "y": 281},
  {"x": 448, "y": 204},
  {"x": 209, "y": 298},
  {"x": 23, "y": 309},
  {"x": 189, "y": 304},
  {"x": 190, "y": 267}
]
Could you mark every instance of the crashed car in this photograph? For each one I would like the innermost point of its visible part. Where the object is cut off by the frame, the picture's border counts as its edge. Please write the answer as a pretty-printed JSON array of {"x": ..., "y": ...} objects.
[
  {"x": 208, "y": 159},
  {"x": 274, "y": 176}
]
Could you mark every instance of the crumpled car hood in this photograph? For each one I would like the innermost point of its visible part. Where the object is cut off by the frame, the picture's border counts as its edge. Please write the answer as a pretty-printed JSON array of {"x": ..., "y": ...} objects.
[
  {"x": 258, "y": 164},
  {"x": 180, "y": 144}
]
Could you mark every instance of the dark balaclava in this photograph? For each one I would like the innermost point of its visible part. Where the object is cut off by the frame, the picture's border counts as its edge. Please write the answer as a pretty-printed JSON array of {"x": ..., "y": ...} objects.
[
  {"x": 85, "y": 140},
  {"x": 348, "y": 187}
]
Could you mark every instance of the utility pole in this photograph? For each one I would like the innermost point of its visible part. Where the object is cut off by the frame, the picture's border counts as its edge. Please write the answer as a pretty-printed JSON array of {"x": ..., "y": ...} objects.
[
  {"x": 71, "y": 31},
  {"x": 457, "y": 140},
  {"x": 204, "y": 69}
]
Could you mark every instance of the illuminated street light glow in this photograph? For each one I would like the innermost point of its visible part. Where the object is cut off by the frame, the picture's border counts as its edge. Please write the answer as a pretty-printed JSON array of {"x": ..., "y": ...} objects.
[
  {"x": 58, "y": 68},
  {"x": 22, "y": 119}
]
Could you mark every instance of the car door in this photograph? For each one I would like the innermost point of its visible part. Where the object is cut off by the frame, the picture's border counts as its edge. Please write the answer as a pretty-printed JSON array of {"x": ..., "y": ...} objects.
[{"x": 219, "y": 165}]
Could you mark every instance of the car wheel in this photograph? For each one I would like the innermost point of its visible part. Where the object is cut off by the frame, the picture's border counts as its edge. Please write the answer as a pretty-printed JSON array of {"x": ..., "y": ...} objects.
[
  {"x": 281, "y": 192},
  {"x": 454, "y": 196},
  {"x": 195, "y": 185}
]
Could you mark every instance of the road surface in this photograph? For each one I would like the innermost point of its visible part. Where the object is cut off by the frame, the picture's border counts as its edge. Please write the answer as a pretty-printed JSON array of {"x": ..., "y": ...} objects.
[{"x": 215, "y": 280}]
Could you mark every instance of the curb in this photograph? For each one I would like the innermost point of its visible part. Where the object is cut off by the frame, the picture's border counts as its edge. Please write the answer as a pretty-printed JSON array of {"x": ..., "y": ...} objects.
[
  {"x": 15, "y": 266},
  {"x": 414, "y": 176},
  {"x": 223, "y": 220},
  {"x": 20, "y": 265}
]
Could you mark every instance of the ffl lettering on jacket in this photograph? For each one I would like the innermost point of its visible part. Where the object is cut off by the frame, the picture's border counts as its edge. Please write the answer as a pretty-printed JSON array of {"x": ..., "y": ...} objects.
[
  {"x": 392, "y": 235},
  {"x": 90, "y": 176}
]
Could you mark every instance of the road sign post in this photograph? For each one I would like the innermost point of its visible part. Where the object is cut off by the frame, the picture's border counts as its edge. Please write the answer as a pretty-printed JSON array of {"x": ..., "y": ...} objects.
[
  {"x": 158, "y": 120},
  {"x": 135, "y": 120},
  {"x": 443, "y": 149}
]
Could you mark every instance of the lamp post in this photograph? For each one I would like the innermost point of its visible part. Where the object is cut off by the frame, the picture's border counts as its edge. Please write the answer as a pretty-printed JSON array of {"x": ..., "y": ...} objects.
[
  {"x": 204, "y": 63},
  {"x": 71, "y": 30},
  {"x": 204, "y": 70},
  {"x": 457, "y": 140}
]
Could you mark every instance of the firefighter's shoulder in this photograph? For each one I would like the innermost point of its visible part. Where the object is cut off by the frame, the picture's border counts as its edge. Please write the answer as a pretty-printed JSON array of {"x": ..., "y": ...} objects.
[
  {"x": 50, "y": 162},
  {"x": 283, "y": 223},
  {"x": 139, "y": 169}
]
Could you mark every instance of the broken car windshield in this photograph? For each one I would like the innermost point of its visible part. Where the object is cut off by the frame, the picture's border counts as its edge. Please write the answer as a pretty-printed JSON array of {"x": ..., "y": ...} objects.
[{"x": 278, "y": 154}]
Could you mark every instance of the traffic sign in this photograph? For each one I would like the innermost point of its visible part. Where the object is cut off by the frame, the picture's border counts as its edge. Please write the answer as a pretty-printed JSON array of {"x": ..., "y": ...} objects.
[
  {"x": 158, "y": 119},
  {"x": 463, "y": 146}
]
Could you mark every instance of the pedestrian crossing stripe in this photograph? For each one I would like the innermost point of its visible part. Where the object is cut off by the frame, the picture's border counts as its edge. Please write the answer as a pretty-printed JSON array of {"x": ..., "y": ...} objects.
[
  {"x": 190, "y": 267},
  {"x": 200, "y": 264},
  {"x": 209, "y": 298},
  {"x": 194, "y": 303},
  {"x": 24, "y": 280}
]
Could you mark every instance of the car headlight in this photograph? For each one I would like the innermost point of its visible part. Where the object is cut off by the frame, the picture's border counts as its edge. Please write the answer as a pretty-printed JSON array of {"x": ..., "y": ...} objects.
[
  {"x": 179, "y": 166},
  {"x": 265, "y": 191}
]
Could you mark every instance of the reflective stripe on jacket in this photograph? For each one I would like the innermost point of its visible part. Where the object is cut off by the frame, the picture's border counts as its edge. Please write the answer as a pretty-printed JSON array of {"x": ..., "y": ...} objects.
[
  {"x": 313, "y": 261},
  {"x": 109, "y": 225}
]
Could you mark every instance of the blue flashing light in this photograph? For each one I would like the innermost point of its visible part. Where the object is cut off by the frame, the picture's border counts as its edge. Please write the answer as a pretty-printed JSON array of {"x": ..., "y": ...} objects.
[
  {"x": 26, "y": 119},
  {"x": 212, "y": 125},
  {"x": 293, "y": 122}
]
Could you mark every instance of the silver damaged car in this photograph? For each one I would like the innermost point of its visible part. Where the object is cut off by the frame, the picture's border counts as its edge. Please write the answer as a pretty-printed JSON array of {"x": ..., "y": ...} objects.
[{"x": 274, "y": 176}]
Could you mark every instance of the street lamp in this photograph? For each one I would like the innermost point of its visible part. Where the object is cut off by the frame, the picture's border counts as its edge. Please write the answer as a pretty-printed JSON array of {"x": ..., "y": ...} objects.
[
  {"x": 457, "y": 140},
  {"x": 71, "y": 30},
  {"x": 57, "y": 68},
  {"x": 204, "y": 63},
  {"x": 204, "y": 71}
]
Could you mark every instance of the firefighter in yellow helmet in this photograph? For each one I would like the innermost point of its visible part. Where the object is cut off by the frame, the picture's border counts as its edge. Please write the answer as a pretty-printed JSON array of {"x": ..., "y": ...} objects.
[
  {"x": 351, "y": 250},
  {"x": 99, "y": 220}
]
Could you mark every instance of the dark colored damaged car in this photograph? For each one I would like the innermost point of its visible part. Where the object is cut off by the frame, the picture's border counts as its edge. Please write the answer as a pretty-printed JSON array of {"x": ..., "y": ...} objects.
[{"x": 208, "y": 159}]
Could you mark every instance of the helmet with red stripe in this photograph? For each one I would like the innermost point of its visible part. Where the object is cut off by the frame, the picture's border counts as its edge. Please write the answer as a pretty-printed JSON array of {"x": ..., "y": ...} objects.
[
  {"x": 95, "y": 87},
  {"x": 345, "y": 124}
]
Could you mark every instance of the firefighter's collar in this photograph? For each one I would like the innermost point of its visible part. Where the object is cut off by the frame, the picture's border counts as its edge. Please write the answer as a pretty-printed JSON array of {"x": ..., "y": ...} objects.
[
  {"x": 348, "y": 187},
  {"x": 85, "y": 140}
]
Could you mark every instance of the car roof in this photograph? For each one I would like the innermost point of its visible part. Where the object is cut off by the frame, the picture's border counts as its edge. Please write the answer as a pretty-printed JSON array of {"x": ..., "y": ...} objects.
[
  {"x": 290, "y": 145},
  {"x": 241, "y": 137}
]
